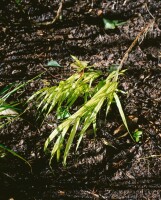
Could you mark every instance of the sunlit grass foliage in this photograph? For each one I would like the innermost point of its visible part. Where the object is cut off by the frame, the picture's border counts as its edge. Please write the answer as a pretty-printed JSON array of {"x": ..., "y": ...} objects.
[{"x": 84, "y": 83}]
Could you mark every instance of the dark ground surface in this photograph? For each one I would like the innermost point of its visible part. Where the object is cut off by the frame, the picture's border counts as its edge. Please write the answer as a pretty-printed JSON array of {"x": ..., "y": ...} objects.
[{"x": 96, "y": 171}]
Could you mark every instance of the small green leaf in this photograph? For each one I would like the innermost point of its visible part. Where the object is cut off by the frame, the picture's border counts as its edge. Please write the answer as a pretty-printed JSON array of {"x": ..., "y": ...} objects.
[
  {"x": 53, "y": 63},
  {"x": 63, "y": 113},
  {"x": 111, "y": 24},
  {"x": 117, "y": 23},
  {"x": 137, "y": 135},
  {"x": 113, "y": 67},
  {"x": 18, "y": 1}
]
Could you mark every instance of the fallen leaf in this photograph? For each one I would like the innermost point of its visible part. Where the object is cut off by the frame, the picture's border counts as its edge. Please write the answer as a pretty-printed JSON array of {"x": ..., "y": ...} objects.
[{"x": 53, "y": 63}]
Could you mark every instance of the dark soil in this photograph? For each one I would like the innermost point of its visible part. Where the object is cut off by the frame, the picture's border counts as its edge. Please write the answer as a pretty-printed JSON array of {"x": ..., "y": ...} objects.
[{"x": 96, "y": 171}]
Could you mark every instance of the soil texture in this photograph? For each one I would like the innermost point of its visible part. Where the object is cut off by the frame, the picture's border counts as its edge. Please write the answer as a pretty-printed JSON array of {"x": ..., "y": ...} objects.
[{"x": 125, "y": 170}]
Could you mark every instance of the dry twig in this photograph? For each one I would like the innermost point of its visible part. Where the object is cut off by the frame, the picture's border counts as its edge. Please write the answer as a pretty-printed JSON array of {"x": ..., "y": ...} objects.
[
  {"x": 55, "y": 18},
  {"x": 142, "y": 33}
]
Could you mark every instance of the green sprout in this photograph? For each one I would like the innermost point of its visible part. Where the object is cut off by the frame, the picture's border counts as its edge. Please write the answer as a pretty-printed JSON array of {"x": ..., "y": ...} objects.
[
  {"x": 137, "y": 135},
  {"x": 18, "y": 2},
  {"x": 111, "y": 24}
]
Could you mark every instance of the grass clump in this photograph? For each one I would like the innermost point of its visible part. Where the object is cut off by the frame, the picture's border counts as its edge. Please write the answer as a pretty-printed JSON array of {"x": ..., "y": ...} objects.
[
  {"x": 86, "y": 84},
  {"x": 8, "y": 110},
  {"x": 63, "y": 96},
  {"x": 84, "y": 117}
]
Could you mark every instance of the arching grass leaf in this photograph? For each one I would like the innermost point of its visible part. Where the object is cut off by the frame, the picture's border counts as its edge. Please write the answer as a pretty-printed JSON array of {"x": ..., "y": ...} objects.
[
  {"x": 118, "y": 103},
  {"x": 15, "y": 154}
]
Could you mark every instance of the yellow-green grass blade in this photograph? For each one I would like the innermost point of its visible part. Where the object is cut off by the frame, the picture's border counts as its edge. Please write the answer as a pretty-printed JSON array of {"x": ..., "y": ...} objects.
[
  {"x": 59, "y": 141},
  {"x": 15, "y": 154},
  {"x": 87, "y": 123},
  {"x": 109, "y": 102},
  {"x": 70, "y": 139},
  {"x": 118, "y": 103},
  {"x": 81, "y": 64},
  {"x": 91, "y": 118}
]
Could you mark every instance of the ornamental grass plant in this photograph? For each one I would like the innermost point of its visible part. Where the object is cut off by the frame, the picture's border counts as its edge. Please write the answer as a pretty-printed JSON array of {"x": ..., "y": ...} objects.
[{"x": 86, "y": 84}]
